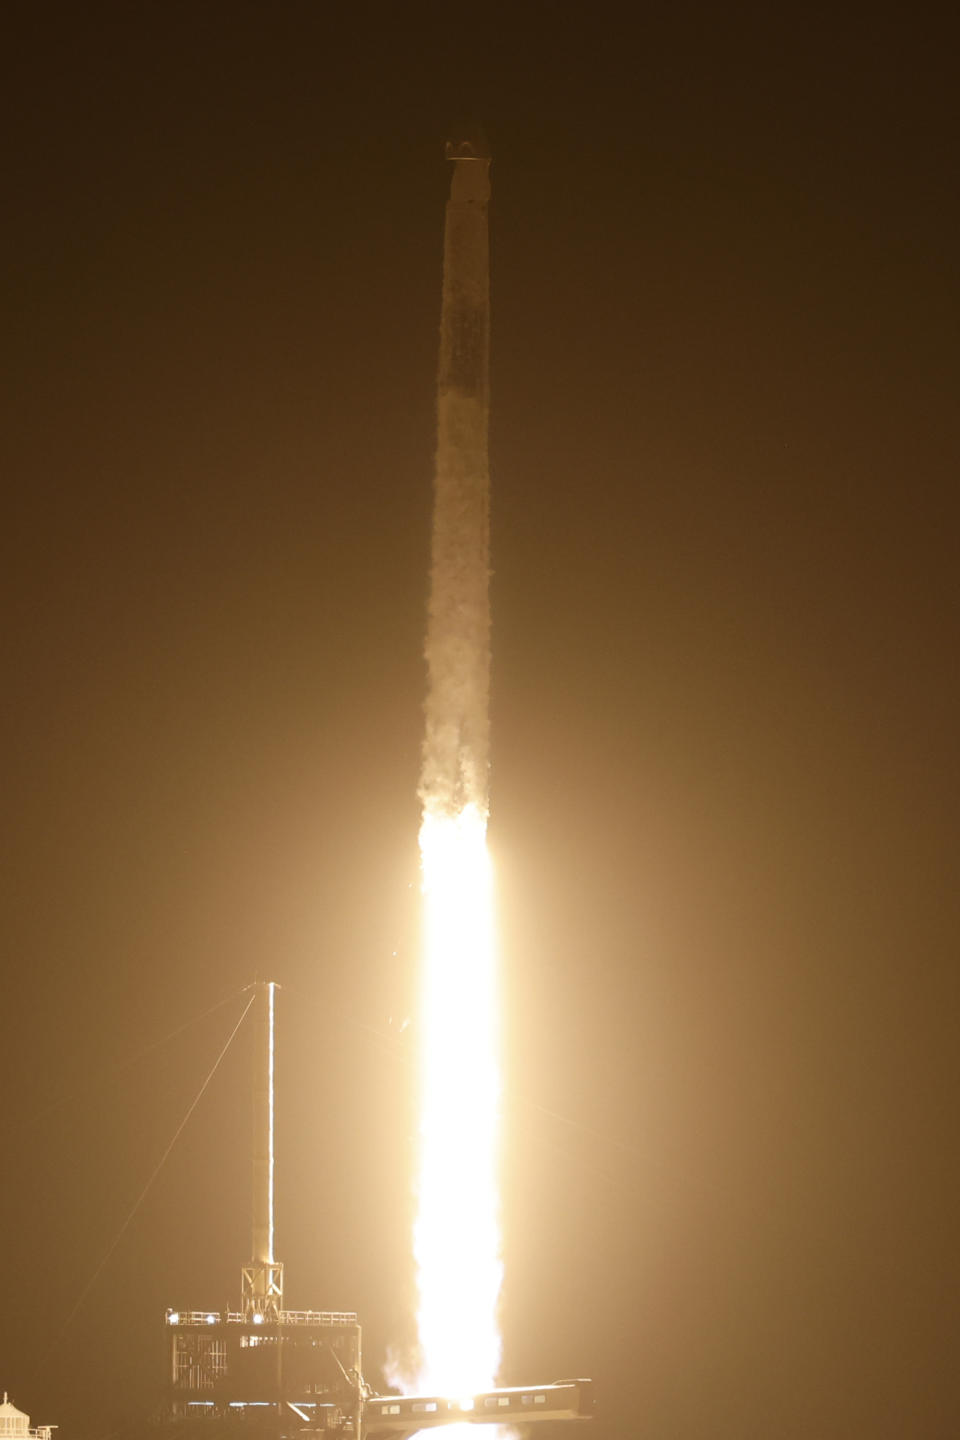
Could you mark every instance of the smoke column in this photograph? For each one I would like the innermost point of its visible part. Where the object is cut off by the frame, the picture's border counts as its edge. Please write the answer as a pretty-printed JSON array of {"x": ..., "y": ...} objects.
[
  {"x": 456, "y": 1235},
  {"x": 455, "y": 753}
]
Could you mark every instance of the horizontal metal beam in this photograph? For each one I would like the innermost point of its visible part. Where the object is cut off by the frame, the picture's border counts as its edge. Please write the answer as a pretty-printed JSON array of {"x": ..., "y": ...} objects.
[{"x": 396, "y": 1414}]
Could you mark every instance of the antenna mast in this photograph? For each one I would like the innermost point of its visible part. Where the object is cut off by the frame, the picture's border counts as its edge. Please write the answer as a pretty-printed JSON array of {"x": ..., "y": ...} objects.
[{"x": 262, "y": 1279}]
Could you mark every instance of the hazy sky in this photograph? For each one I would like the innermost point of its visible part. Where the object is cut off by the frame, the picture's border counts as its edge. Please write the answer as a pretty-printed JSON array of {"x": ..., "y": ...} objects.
[{"x": 724, "y": 453}]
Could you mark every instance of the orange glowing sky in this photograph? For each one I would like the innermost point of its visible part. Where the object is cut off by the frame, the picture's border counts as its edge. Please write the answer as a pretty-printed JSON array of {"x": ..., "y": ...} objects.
[{"x": 724, "y": 780}]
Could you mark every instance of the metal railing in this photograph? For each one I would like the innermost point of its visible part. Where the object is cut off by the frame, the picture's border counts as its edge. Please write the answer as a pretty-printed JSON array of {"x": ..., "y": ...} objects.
[{"x": 320, "y": 1318}]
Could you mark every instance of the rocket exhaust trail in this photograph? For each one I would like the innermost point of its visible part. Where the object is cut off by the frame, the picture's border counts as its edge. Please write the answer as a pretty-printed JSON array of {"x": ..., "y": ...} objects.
[
  {"x": 456, "y": 748},
  {"x": 456, "y": 1238}
]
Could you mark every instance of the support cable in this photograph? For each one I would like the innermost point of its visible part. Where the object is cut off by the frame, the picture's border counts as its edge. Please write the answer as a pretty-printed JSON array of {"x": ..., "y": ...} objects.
[
  {"x": 146, "y": 1189},
  {"x": 108, "y": 1074}
]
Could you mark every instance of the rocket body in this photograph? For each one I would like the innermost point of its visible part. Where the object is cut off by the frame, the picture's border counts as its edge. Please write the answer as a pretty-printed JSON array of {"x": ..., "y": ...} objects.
[{"x": 456, "y": 746}]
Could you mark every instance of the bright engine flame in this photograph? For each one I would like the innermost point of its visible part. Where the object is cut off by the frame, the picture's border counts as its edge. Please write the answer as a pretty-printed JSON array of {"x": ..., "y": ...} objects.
[{"x": 457, "y": 1235}]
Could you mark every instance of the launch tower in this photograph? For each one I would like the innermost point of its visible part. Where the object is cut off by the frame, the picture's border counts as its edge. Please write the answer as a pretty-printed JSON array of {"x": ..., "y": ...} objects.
[{"x": 299, "y": 1366}]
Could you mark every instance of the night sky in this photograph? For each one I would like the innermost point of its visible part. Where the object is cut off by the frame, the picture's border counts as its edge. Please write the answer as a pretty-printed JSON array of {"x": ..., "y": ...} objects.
[{"x": 724, "y": 442}]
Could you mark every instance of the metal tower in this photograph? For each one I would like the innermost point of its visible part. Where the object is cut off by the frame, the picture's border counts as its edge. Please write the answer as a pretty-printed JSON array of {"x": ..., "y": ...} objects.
[
  {"x": 294, "y": 1373},
  {"x": 262, "y": 1280},
  {"x": 293, "y": 1369}
]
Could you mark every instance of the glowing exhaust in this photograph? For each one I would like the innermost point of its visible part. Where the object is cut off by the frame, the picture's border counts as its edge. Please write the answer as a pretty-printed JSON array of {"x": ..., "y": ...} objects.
[{"x": 456, "y": 1237}]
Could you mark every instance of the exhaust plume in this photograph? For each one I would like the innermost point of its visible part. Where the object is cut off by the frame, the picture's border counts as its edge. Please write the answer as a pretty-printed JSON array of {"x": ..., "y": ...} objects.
[{"x": 456, "y": 1234}]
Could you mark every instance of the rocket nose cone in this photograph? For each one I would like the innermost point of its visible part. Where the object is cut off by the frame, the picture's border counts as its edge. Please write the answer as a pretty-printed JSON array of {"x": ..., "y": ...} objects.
[{"x": 468, "y": 142}]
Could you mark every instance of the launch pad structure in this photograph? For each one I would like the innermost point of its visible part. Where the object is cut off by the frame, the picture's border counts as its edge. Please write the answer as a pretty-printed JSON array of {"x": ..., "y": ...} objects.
[
  {"x": 263, "y": 1358},
  {"x": 291, "y": 1374}
]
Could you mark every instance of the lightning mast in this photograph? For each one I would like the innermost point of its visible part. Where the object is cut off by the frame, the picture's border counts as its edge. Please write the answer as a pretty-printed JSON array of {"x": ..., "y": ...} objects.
[{"x": 262, "y": 1278}]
